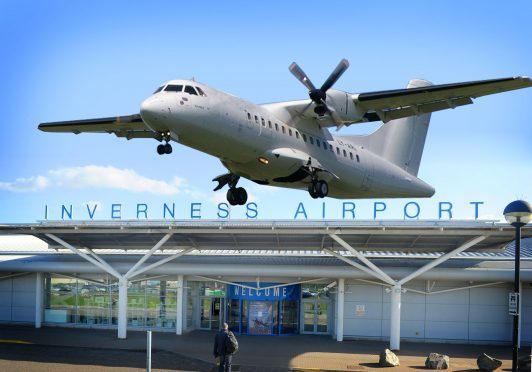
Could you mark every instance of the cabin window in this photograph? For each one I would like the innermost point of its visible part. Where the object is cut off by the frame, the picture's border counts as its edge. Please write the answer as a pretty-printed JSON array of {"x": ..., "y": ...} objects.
[
  {"x": 249, "y": 116},
  {"x": 201, "y": 92},
  {"x": 276, "y": 127},
  {"x": 304, "y": 137},
  {"x": 282, "y": 127},
  {"x": 190, "y": 90},
  {"x": 331, "y": 147},
  {"x": 311, "y": 140},
  {"x": 337, "y": 151},
  {"x": 297, "y": 134},
  {"x": 173, "y": 88},
  {"x": 325, "y": 145},
  {"x": 263, "y": 122},
  {"x": 345, "y": 154},
  {"x": 290, "y": 132},
  {"x": 256, "y": 119},
  {"x": 318, "y": 142},
  {"x": 351, "y": 155},
  {"x": 159, "y": 89},
  {"x": 269, "y": 124},
  {"x": 358, "y": 159}
]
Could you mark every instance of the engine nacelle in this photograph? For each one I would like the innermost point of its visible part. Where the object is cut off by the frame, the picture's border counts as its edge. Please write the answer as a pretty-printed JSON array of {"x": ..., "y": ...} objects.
[{"x": 343, "y": 104}]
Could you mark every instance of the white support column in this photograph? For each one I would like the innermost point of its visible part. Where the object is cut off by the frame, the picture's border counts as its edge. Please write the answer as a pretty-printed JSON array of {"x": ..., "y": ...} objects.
[
  {"x": 38, "y": 300},
  {"x": 179, "y": 310},
  {"x": 340, "y": 310},
  {"x": 122, "y": 308},
  {"x": 395, "y": 318}
]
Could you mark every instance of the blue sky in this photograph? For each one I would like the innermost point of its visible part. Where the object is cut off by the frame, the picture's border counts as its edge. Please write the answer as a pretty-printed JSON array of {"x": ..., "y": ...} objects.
[{"x": 66, "y": 60}]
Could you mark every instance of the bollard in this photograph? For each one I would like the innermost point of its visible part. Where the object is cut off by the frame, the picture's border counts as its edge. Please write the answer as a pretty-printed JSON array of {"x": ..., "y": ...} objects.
[{"x": 148, "y": 352}]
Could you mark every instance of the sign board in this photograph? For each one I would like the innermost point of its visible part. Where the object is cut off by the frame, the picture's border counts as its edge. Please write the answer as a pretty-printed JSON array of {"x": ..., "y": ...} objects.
[
  {"x": 513, "y": 303},
  {"x": 360, "y": 310}
]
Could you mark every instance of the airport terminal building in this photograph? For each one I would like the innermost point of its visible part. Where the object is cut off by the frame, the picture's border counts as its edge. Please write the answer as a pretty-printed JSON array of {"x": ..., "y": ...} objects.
[{"x": 385, "y": 280}]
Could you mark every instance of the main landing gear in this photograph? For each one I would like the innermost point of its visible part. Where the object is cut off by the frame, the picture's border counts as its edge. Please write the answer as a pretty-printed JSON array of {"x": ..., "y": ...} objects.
[
  {"x": 166, "y": 148},
  {"x": 318, "y": 189},
  {"x": 235, "y": 195}
]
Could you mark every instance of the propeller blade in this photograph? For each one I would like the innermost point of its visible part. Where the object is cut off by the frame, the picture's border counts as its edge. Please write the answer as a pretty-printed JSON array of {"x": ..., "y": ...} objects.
[
  {"x": 335, "y": 75},
  {"x": 301, "y": 76}
]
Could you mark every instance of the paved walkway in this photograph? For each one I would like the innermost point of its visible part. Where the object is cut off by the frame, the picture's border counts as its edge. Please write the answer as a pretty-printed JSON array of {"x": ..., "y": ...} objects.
[{"x": 95, "y": 349}]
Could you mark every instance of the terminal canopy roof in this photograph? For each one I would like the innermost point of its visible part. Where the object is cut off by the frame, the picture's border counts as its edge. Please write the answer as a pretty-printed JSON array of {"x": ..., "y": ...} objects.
[{"x": 261, "y": 235}]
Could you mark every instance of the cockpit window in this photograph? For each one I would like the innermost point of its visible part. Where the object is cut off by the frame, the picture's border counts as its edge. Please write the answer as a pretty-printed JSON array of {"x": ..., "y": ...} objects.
[
  {"x": 159, "y": 89},
  {"x": 173, "y": 88},
  {"x": 190, "y": 90},
  {"x": 201, "y": 92}
]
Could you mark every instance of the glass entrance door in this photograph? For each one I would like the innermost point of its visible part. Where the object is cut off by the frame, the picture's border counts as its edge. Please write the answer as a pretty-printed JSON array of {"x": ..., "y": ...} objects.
[
  {"x": 211, "y": 312},
  {"x": 315, "y": 316}
]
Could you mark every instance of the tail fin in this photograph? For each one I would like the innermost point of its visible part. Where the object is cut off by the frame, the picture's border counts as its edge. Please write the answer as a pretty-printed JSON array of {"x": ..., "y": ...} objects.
[{"x": 401, "y": 141}]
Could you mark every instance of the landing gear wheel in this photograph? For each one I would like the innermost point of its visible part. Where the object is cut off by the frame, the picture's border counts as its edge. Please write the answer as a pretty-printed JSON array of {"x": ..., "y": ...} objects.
[
  {"x": 322, "y": 189},
  {"x": 237, "y": 196},
  {"x": 167, "y": 148},
  {"x": 312, "y": 190},
  {"x": 241, "y": 195},
  {"x": 161, "y": 149}
]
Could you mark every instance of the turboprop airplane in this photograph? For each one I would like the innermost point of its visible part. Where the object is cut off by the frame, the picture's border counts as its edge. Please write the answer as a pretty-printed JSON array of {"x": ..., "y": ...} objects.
[{"x": 288, "y": 144}]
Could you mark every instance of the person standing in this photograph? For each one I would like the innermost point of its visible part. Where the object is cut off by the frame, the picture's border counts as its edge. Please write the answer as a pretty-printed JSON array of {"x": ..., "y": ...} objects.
[{"x": 225, "y": 345}]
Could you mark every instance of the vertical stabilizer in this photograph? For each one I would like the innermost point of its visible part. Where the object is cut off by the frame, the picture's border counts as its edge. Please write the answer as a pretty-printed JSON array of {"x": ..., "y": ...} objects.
[{"x": 401, "y": 141}]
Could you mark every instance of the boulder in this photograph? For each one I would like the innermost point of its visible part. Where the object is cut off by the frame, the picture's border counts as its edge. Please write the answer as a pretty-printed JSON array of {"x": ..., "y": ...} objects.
[
  {"x": 388, "y": 359},
  {"x": 437, "y": 361},
  {"x": 523, "y": 363},
  {"x": 487, "y": 363}
]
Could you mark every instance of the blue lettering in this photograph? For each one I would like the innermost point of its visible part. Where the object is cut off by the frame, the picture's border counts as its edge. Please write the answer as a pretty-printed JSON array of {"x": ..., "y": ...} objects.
[
  {"x": 195, "y": 211},
  {"x": 142, "y": 210},
  {"x": 448, "y": 209},
  {"x": 68, "y": 212},
  {"x": 170, "y": 212},
  {"x": 300, "y": 209},
  {"x": 223, "y": 210},
  {"x": 416, "y": 215},
  {"x": 375, "y": 209},
  {"x": 323, "y": 210},
  {"x": 251, "y": 210},
  {"x": 116, "y": 211},
  {"x": 476, "y": 204},
  {"x": 91, "y": 213},
  {"x": 352, "y": 209},
  {"x": 46, "y": 212}
]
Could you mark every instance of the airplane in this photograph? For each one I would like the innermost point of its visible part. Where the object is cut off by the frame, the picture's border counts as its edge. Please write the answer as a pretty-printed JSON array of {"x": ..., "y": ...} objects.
[{"x": 289, "y": 144}]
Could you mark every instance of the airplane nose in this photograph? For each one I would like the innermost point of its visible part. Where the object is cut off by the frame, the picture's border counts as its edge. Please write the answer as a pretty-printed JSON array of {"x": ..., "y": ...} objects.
[{"x": 151, "y": 111}]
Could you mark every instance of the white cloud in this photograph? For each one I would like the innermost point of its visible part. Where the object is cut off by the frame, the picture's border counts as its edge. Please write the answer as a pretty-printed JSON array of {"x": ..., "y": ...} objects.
[
  {"x": 100, "y": 177},
  {"x": 26, "y": 184}
]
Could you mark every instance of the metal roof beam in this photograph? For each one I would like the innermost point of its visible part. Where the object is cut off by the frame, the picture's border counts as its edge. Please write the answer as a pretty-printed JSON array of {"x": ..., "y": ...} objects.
[
  {"x": 148, "y": 255},
  {"x": 381, "y": 274},
  {"x": 160, "y": 262},
  {"x": 106, "y": 268},
  {"x": 442, "y": 259}
]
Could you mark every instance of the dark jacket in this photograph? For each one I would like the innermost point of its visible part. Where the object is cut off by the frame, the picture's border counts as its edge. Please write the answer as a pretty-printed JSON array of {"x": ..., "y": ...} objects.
[{"x": 219, "y": 343}]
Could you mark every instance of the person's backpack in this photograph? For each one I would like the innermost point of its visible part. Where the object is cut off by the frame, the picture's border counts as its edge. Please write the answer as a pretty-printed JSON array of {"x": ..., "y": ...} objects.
[{"x": 231, "y": 344}]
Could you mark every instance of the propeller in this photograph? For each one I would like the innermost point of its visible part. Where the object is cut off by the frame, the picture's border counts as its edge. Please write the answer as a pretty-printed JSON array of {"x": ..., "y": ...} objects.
[{"x": 319, "y": 95}]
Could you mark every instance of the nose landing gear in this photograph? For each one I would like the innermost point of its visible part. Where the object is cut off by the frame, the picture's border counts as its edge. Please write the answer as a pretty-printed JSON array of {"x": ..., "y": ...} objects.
[{"x": 166, "y": 148}]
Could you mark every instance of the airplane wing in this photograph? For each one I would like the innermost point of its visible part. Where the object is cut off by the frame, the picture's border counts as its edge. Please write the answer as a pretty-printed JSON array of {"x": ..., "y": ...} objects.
[
  {"x": 393, "y": 104},
  {"x": 130, "y": 126}
]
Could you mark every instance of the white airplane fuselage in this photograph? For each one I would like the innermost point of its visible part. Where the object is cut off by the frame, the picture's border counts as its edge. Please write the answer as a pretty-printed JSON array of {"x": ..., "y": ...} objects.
[{"x": 266, "y": 144}]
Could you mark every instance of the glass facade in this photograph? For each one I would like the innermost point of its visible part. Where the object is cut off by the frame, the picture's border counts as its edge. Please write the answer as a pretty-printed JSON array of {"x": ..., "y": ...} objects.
[
  {"x": 151, "y": 304},
  {"x": 273, "y": 310}
]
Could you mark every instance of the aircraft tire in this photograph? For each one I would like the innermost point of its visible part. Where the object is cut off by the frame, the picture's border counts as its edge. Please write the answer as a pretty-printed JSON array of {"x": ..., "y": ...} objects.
[
  {"x": 241, "y": 195},
  {"x": 161, "y": 149},
  {"x": 232, "y": 197},
  {"x": 312, "y": 190},
  {"x": 167, "y": 148},
  {"x": 322, "y": 189}
]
